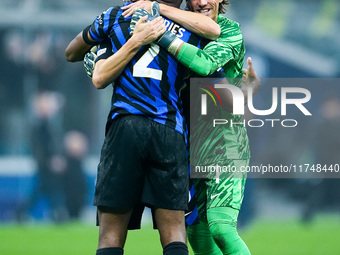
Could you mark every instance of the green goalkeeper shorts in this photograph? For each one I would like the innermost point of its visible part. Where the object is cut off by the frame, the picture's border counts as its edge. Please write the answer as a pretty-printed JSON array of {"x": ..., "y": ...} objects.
[{"x": 223, "y": 189}]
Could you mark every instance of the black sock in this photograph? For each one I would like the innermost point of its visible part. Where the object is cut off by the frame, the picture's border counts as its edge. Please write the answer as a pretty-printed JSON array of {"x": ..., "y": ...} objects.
[
  {"x": 110, "y": 251},
  {"x": 176, "y": 248}
]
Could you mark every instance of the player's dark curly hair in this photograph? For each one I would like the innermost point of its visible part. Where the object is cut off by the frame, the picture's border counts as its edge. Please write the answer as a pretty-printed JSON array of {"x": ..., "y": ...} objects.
[{"x": 223, "y": 6}]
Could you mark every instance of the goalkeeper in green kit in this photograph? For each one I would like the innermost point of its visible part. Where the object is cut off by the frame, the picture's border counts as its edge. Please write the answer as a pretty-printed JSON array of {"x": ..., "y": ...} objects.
[{"x": 218, "y": 199}]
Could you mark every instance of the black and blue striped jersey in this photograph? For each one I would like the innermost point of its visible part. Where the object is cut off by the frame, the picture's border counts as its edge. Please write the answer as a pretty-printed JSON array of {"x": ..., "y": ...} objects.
[{"x": 151, "y": 83}]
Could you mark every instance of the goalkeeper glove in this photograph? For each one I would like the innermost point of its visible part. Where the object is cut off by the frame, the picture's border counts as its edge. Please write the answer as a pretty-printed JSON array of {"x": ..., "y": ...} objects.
[
  {"x": 89, "y": 61},
  {"x": 155, "y": 12},
  {"x": 168, "y": 40}
]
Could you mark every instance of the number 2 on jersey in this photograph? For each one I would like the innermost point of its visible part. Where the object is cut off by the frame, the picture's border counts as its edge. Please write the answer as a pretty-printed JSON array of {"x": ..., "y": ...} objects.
[{"x": 141, "y": 69}]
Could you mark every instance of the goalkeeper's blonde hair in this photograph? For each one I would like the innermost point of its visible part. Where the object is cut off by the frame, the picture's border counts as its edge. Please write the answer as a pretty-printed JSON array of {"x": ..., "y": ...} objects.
[{"x": 222, "y": 8}]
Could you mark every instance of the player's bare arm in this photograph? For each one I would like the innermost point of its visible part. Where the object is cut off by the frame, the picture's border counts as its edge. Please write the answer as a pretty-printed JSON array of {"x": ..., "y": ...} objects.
[
  {"x": 194, "y": 22},
  {"x": 77, "y": 49},
  {"x": 107, "y": 70}
]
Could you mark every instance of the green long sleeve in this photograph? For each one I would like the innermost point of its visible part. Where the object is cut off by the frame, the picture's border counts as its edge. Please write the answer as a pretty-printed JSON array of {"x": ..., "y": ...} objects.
[{"x": 225, "y": 51}]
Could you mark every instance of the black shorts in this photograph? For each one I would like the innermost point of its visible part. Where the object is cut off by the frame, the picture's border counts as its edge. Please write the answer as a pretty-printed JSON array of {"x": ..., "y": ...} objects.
[{"x": 142, "y": 161}]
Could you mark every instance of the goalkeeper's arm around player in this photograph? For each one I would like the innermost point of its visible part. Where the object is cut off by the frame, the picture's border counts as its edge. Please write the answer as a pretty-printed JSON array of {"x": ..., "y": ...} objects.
[
  {"x": 217, "y": 53},
  {"x": 194, "y": 22},
  {"x": 223, "y": 52}
]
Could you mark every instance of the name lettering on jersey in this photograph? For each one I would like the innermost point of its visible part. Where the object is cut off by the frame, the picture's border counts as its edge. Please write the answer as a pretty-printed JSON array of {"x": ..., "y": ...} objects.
[{"x": 175, "y": 28}]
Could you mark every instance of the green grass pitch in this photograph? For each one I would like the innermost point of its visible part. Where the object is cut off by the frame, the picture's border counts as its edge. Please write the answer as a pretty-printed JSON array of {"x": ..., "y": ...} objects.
[{"x": 322, "y": 236}]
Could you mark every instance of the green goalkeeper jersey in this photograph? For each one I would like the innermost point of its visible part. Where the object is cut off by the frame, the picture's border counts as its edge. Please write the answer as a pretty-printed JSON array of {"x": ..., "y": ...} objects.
[
  {"x": 208, "y": 144},
  {"x": 227, "y": 52}
]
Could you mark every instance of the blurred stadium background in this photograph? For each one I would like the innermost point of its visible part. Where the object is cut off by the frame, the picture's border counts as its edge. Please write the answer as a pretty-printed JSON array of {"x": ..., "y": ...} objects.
[{"x": 286, "y": 39}]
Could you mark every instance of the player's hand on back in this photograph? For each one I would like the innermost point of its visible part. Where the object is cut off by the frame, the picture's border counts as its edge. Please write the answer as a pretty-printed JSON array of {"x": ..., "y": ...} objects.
[
  {"x": 136, "y": 17},
  {"x": 147, "y": 32},
  {"x": 166, "y": 40},
  {"x": 154, "y": 13}
]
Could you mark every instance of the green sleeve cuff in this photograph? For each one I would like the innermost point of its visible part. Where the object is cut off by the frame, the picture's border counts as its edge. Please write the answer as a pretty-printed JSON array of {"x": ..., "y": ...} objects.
[{"x": 194, "y": 58}]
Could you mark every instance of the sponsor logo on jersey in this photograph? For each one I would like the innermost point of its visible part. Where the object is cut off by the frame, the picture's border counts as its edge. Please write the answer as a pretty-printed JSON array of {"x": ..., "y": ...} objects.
[{"x": 101, "y": 52}]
